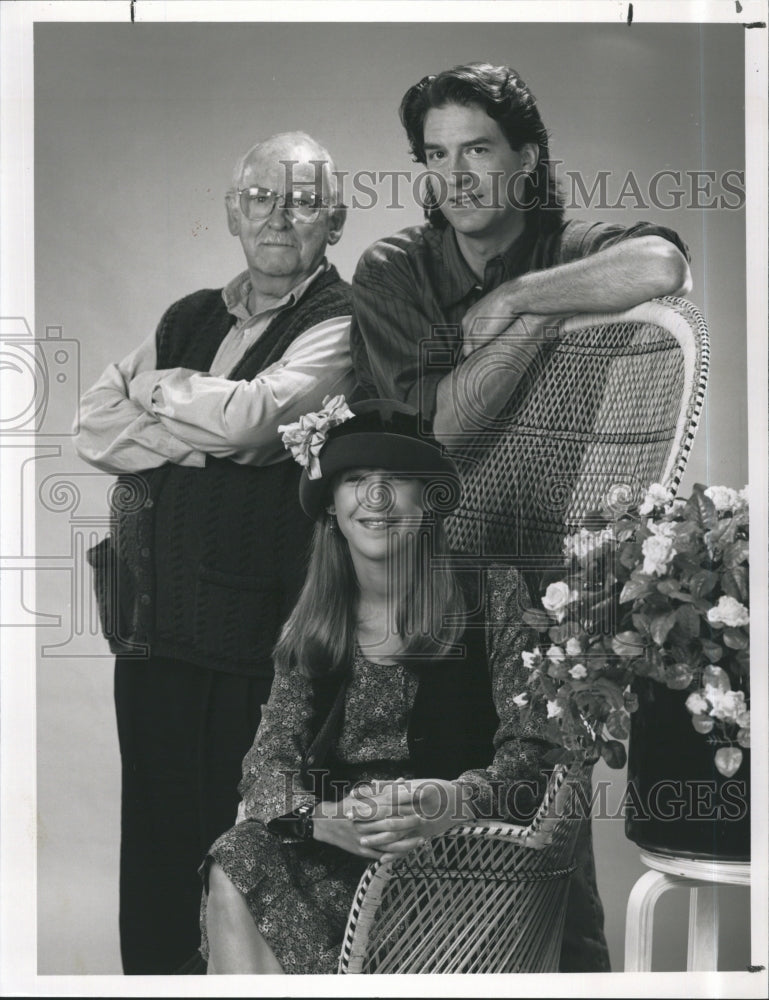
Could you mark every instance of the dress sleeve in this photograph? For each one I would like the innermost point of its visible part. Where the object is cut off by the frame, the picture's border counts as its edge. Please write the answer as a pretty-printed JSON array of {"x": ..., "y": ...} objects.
[
  {"x": 271, "y": 785},
  {"x": 513, "y": 783}
]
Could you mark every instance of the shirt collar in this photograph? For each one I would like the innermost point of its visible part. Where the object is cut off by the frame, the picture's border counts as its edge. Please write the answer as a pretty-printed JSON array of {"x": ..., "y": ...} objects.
[
  {"x": 236, "y": 293},
  {"x": 458, "y": 279}
]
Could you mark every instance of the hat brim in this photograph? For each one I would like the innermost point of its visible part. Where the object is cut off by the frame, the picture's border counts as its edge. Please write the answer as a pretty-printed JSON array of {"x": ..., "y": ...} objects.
[{"x": 393, "y": 452}]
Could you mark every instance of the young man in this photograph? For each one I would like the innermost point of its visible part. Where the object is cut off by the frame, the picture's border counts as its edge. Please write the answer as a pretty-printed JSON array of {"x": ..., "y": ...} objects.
[
  {"x": 495, "y": 259},
  {"x": 493, "y": 268},
  {"x": 207, "y": 551}
]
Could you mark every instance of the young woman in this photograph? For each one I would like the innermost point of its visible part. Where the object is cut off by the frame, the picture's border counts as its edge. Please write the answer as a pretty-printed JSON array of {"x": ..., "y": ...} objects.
[{"x": 393, "y": 713}]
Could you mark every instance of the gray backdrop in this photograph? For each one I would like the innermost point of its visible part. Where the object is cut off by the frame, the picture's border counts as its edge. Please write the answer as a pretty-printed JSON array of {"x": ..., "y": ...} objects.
[{"x": 136, "y": 130}]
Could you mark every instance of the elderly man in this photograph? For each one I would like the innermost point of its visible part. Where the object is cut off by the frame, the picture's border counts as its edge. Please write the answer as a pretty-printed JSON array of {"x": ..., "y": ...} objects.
[
  {"x": 206, "y": 554},
  {"x": 494, "y": 266}
]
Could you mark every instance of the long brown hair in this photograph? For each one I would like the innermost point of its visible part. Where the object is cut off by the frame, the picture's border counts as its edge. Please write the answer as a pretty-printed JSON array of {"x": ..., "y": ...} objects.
[
  {"x": 502, "y": 94},
  {"x": 319, "y": 636}
]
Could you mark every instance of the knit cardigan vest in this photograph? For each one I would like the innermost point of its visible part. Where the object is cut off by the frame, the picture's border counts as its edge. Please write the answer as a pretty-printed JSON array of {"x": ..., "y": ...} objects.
[{"x": 205, "y": 564}]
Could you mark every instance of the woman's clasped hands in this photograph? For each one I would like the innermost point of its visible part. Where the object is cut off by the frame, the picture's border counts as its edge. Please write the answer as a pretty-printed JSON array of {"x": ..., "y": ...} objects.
[{"x": 383, "y": 820}]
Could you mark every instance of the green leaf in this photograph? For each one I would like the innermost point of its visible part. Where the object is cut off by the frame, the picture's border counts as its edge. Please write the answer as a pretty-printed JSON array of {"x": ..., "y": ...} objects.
[
  {"x": 671, "y": 588},
  {"x": 689, "y": 620},
  {"x": 641, "y": 623},
  {"x": 630, "y": 555},
  {"x": 734, "y": 582},
  {"x": 638, "y": 585},
  {"x": 678, "y": 676},
  {"x": 661, "y": 626},
  {"x": 701, "y": 510},
  {"x": 702, "y": 582},
  {"x": 735, "y": 638},
  {"x": 618, "y": 724},
  {"x": 613, "y": 753},
  {"x": 736, "y": 553},
  {"x": 722, "y": 534},
  {"x": 559, "y": 633},
  {"x": 712, "y": 650},
  {"x": 538, "y": 619},
  {"x": 628, "y": 644},
  {"x": 609, "y": 690}
]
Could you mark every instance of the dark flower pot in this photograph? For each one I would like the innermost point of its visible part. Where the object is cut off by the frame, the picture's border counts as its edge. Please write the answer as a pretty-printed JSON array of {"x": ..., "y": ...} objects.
[{"x": 677, "y": 802}]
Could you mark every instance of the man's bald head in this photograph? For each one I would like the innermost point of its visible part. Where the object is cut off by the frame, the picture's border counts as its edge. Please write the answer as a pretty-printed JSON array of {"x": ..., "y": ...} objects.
[{"x": 287, "y": 148}]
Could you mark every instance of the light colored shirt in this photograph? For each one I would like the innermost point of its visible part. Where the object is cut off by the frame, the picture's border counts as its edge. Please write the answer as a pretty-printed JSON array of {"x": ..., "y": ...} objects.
[{"x": 138, "y": 417}]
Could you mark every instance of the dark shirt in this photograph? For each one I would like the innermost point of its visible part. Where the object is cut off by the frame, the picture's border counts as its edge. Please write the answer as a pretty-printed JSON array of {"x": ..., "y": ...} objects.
[{"x": 415, "y": 287}]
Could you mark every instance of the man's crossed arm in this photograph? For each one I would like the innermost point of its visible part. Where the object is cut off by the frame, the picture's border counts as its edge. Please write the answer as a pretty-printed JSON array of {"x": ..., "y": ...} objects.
[{"x": 139, "y": 417}]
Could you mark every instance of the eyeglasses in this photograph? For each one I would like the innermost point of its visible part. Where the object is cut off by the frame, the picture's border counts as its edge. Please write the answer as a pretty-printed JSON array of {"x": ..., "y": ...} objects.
[{"x": 259, "y": 203}]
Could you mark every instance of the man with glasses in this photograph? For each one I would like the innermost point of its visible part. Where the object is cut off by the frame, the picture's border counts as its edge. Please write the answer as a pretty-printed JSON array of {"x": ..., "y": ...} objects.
[{"x": 206, "y": 554}]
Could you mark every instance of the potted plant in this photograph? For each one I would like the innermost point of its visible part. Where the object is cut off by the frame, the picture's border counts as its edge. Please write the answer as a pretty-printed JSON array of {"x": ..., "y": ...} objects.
[{"x": 646, "y": 636}]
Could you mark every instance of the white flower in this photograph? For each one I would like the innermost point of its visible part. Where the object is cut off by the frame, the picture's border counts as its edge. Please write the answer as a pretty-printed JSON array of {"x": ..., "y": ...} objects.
[
  {"x": 554, "y": 710},
  {"x": 658, "y": 551},
  {"x": 727, "y": 705},
  {"x": 696, "y": 704},
  {"x": 729, "y": 612},
  {"x": 578, "y": 671},
  {"x": 531, "y": 659},
  {"x": 555, "y": 653},
  {"x": 664, "y": 529},
  {"x": 582, "y": 543},
  {"x": 573, "y": 647},
  {"x": 557, "y": 597},
  {"x": 306, "y": 436},
  {"x": 521, "y": 700},
  {"x": 724, "y": 497},
  {"x": 656, "y": 496}
]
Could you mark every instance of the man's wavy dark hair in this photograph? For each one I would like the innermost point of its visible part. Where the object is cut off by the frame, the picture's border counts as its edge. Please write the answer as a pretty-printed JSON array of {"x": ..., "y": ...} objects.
[{"x": 503, "y": 95}]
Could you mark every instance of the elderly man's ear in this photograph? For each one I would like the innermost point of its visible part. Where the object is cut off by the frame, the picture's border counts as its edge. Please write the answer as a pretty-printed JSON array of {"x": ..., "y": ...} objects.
[
  {"x": 233, "y": 213},
  {"x": 337, "y": 218}
]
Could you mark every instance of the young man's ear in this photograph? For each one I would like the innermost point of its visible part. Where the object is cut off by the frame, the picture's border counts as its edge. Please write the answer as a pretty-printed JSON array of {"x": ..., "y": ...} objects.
[
  {"x": 233, "y": 213},
  {"x": 529, "y": 154},
  {"x": 337, "y": 218}
]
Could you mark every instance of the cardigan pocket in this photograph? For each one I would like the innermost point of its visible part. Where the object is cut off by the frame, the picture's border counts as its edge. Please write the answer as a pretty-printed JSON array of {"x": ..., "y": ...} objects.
[
  {"x": 237, "y": 617},
  {"x": 113, "y": 591}
]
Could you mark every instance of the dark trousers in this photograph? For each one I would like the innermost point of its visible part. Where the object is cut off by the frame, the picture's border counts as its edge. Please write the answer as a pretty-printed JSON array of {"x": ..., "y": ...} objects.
[
  {"x": 183, "y": 732},
  {"x": 584, "y": 947}
]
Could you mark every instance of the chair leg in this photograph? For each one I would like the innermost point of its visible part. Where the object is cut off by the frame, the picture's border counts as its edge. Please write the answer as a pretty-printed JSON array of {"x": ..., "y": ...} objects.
[
  {"x": 702, "y": 954},
  {"x": 640, "y": 918}
]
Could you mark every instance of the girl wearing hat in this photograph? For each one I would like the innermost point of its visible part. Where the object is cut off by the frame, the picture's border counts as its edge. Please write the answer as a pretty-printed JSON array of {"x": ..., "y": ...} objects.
[{"x": 394, "y": 712}]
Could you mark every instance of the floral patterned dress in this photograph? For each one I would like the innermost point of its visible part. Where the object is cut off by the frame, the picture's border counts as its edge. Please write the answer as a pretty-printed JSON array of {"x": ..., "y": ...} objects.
[{"x": 299, "y": 893}]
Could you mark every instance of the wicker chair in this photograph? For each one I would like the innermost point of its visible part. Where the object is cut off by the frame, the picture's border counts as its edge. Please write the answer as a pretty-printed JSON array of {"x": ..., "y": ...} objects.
[
  {"x": 612, "y": 408},
  {"x": 481, "y": 898}
]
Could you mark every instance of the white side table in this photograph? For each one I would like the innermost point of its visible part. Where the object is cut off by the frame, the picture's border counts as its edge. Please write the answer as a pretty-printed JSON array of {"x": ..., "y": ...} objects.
[{"x": 698, "y": 876}]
